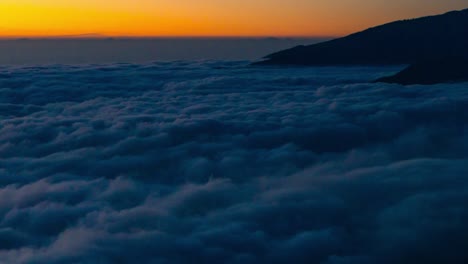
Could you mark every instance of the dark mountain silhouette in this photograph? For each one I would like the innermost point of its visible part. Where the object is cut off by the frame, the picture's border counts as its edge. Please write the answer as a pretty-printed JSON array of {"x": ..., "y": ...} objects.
[
  {"x": 401, "y": 42},
  {"x": 432, "y": 72}
]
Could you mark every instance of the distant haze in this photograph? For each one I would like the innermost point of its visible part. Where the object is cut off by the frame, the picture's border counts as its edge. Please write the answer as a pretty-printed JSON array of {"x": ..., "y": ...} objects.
[{"x": 85, "y": 51}]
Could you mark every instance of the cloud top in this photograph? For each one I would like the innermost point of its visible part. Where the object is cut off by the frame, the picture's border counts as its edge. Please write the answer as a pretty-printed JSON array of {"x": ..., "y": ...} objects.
[{"x": 212, "y": 162}]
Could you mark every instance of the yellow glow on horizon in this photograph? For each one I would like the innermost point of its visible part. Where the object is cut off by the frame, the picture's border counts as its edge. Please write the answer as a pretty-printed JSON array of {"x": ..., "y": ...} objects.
[{"x": 196, "y": 17}]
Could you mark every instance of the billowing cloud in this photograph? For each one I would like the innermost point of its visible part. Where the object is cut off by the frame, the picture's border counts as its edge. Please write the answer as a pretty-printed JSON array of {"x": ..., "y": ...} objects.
[{"x": 214, "y": 162}]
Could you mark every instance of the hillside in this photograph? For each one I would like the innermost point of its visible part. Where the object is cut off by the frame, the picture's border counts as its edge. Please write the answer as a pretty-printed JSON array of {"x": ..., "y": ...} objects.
[
  {"x": 432, "y": 72},
  {"x": 401, "y": 42}
]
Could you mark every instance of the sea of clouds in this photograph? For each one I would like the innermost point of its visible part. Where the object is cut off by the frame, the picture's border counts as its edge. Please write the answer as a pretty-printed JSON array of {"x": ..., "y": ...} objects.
[{"x": 218, "y": 162}]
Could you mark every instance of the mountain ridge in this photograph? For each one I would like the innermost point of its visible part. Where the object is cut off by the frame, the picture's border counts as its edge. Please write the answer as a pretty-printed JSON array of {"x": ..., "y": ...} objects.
[{"x": 399, "y": 42}]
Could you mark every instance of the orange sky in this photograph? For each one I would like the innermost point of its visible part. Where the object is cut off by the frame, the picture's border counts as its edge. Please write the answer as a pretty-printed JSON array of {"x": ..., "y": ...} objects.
[{"x": 207, "y": 17}]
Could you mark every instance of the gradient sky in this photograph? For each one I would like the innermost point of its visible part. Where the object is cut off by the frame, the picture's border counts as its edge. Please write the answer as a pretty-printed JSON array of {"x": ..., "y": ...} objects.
[{"x": 208, "y": 17}]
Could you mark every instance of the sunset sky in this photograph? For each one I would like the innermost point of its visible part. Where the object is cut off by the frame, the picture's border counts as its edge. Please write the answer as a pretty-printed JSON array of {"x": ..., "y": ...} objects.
[{"x": 207, "y": 17}]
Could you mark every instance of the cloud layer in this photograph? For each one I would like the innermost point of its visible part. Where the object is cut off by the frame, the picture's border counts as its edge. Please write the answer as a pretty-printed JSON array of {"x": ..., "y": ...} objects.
[{"x": 217, "y": 163}]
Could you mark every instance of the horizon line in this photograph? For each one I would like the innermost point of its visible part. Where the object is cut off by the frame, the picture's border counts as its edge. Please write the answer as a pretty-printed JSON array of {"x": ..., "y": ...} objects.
[{"x": 110, "y": 37}]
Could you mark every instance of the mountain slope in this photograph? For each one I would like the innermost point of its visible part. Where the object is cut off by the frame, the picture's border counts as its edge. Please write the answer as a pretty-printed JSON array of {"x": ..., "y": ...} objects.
[
  {"x": 401, "y": 42},
  {"x": 432, "y": 72}
]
